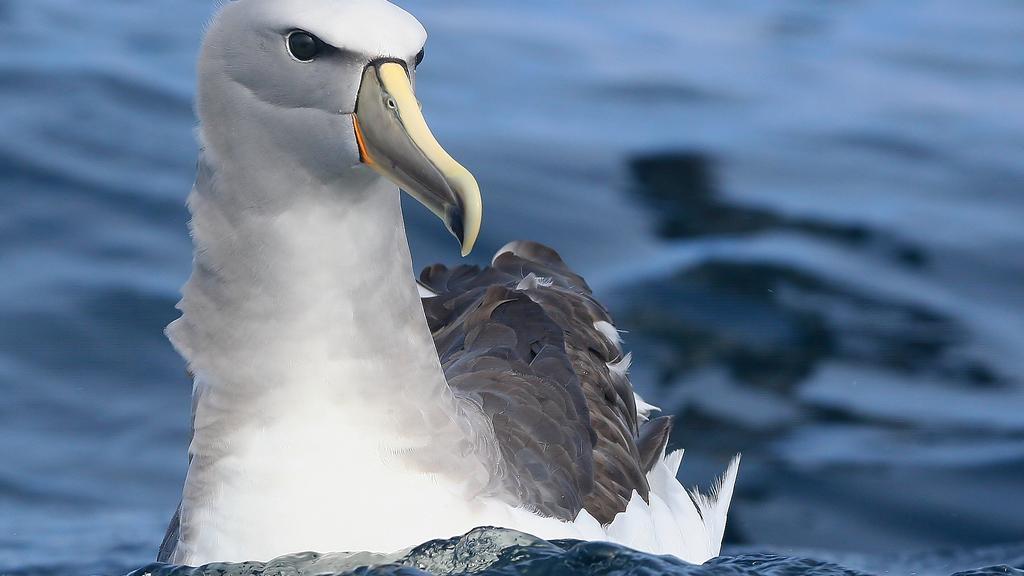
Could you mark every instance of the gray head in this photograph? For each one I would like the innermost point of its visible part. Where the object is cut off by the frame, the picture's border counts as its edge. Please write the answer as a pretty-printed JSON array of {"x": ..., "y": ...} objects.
[{"x": 326, "y": 87}]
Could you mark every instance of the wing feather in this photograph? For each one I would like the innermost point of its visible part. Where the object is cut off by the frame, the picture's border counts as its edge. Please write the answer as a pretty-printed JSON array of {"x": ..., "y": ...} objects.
[{"x": 527, "y": 341}]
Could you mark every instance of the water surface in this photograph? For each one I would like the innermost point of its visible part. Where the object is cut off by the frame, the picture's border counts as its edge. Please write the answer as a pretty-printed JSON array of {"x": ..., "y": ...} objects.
[{"x": 806, "y": 215}]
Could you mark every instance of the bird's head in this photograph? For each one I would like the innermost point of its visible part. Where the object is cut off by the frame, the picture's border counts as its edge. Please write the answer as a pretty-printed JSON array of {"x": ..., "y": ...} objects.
[{"x": 328, "y": 85}]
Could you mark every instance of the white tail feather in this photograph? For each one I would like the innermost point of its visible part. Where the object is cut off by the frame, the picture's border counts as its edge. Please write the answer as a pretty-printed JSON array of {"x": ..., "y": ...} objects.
[
  {"x": 672, "y": 522},
  {"x": 588, "y": 526},
  {"x": 714, "y": 507}
]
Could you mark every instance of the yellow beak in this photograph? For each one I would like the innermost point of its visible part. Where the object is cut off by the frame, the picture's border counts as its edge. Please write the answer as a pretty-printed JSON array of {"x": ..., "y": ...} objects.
[{"x": 394, "y": 140}]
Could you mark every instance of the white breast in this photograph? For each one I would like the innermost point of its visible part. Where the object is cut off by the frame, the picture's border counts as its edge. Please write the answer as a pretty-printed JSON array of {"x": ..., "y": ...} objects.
[{"x": 293, "y": 487}]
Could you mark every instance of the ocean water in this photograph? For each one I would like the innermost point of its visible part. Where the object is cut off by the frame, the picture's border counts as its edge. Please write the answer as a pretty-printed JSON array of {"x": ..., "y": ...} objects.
[{"x": 807, "y": 216}]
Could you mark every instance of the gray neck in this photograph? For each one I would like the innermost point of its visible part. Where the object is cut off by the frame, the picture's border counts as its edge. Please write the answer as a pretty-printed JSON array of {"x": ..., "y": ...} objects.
[{"x": 304, "y": 297}]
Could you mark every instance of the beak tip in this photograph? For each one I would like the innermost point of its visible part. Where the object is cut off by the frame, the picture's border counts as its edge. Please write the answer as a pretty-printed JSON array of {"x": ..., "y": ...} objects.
[{"x": 467, "y": 247}]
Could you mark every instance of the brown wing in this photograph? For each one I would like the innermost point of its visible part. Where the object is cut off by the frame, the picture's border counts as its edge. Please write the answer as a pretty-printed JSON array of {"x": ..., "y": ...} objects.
[{"x": 521, "y": 338}]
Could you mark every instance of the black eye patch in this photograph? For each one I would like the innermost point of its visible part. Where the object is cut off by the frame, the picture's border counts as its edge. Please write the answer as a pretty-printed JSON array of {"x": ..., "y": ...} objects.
[{"x": 419, "y": 58}]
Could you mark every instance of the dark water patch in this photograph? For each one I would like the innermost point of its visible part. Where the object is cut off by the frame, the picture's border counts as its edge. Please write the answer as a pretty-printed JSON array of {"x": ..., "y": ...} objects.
[
  {"x": 11, "y": 489},
  {"x": 103, "y": 332},
  {"x": 104, "y": 88},
  {"x": 99, "y": 568},
  {"x": 488, "y": 552},
  {"x": 771, "y": 326},
  {"x": 499, "y": 552},
  {"x": 889, "y": 144},
  {"x": 54, "y": 204},
  {"x": 879, "y": 507},
  {"x": 779, "y": 362},
  {"x": 682, "y": 191},
  {"x": 651, "y": 92},
  {"x": 33, "y": 177},
  {"x": 799, "y": 25},
  {"x": 126, "y": 314},
  {"x": 959, "y": 66}
]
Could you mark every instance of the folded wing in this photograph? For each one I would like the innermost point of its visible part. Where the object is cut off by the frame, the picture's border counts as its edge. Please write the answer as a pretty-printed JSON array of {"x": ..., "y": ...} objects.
[{"x": 526, "y": 341}]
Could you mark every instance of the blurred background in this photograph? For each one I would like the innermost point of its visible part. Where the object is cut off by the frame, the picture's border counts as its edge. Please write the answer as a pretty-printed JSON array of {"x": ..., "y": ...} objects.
[{"x": 808, "y": 217}]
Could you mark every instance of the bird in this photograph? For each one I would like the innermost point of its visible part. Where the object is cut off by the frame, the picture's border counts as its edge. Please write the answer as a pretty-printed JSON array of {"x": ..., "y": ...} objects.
[{"x": 340, "y": 403}]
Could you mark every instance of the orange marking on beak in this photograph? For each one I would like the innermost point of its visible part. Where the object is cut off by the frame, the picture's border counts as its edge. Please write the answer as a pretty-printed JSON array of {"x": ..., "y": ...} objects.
[{"x": 364, "y": 156}]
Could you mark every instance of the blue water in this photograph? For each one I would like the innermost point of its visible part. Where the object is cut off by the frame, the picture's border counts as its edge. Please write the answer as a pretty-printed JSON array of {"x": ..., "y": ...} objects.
[{"x": 808, "y": 216}]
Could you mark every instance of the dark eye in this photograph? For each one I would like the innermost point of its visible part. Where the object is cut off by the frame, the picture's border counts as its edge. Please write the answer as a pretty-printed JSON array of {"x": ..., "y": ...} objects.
[
  {"x": 303, "y": 45},
  {"x": 419, "y": 58}
]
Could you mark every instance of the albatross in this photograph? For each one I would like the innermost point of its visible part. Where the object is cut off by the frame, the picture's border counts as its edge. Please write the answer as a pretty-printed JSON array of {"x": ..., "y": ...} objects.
[{"x": 338, "y": 403}]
